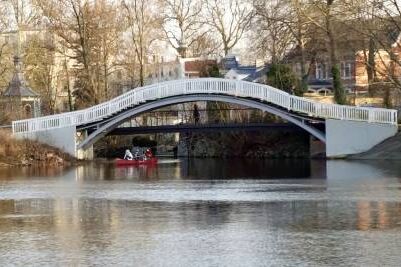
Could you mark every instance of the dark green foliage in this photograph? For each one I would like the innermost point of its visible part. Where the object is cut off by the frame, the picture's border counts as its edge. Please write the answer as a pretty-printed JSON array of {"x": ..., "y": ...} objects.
[
  {"x": 210, "y": 70},
  {"x": 84, "y": 96},
  {"x": 214, "y": 71},
  {"x": 281, "y": 76},
  {"x": 303, "y": 88},
  {"x": 339, "y": 92}
]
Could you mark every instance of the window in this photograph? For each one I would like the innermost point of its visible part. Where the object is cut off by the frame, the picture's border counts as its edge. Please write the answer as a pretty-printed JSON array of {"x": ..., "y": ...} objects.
[
  {"x": 321, "y": 71},
  {"x": 28, "y": 110},
  {"x": 346, "y": 70}
]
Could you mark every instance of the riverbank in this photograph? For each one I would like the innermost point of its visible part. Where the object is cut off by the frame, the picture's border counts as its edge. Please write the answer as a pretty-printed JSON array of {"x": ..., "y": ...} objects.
[
  {"x": 389, "y": 149},
  {"x": 15, "y": 152}
]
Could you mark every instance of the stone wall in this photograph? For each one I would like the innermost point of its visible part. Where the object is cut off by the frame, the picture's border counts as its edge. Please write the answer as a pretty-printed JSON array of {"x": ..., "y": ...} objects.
[{"x": 245, "y": 144}]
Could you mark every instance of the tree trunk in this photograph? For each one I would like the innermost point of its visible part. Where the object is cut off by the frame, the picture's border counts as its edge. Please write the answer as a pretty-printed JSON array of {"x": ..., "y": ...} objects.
[
  {"x": 226, "y": 49},
  {"x": 304, "y": 72},
  {"x": 141, "y": 74},
  {"x": 70, "y": 106},
  {"x": 370, "y": 67},
  {"x": 106, "y": 81},
  {"x": 339, "y": 92}
]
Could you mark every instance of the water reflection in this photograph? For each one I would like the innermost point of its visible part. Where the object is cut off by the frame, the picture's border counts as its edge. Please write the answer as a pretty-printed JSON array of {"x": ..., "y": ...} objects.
[
  {"x": 206, "y": 169},
  {"x": 203, "y": 212}
]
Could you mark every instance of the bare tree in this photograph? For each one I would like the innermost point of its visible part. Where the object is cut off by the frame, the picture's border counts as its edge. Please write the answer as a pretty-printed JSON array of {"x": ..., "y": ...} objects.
[
  {"x": 6, "y": 67},
  {"x": 383, "y": 27},
  {"x": 40, "y": 71},
  {"x": 230, "y": 19},
  {"x": 18, "y": 16},
  {"x": 71, "y": 22},
  {"x": 109, "y": 39},
  {"x": 144, "y": 27},
  {"x": 204, "y": 45},
  {"x": 279, "y": 28},
  {"x": 182, "y": 23},
  {"x": 271, "y": 29},
  {"x": 87, "y": 33},
  {"x": 323, "y": 14},
  {"x": 378, "y": 24}
]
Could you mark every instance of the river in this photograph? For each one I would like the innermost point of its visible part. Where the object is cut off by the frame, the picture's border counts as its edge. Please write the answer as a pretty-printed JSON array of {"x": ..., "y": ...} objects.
[{"x": 203, "y": 212}]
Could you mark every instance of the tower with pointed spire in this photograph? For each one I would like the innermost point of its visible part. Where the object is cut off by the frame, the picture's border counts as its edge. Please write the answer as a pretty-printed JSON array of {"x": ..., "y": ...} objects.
[{"x": 20, "y": 100}]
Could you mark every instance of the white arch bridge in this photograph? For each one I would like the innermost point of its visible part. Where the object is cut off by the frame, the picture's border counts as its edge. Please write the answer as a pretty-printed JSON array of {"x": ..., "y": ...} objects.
[{"x": 348, "y": 129}]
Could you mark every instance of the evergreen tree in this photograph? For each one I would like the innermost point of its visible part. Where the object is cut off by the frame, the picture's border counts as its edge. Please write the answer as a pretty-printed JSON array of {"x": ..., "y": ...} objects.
[{"x": 281, "y": 76}]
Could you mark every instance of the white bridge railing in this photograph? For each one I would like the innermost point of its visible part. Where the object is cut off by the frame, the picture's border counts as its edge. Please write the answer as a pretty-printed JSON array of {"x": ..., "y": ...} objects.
[{"x": 206, "y": 86}]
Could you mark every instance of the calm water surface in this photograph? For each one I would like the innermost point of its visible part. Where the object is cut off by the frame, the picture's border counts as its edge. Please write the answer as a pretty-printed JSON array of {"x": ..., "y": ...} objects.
[{"x": 203, "y": 213}]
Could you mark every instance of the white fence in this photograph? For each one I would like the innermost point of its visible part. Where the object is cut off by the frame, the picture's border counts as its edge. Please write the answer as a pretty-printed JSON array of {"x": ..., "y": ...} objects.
[{"x": 206, "y": 86}]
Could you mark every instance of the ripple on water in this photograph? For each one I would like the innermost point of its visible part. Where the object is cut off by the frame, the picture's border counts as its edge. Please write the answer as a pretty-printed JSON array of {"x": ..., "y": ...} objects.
[{"x": 204, "y": 213}]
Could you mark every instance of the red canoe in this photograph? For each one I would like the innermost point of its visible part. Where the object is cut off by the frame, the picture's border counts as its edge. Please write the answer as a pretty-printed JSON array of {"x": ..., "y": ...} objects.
[{"x": 125, "y": 162}]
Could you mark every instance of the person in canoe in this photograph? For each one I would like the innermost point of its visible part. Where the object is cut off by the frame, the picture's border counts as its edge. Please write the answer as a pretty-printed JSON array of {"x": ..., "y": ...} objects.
[
  {"x": 128, "y": 155},
  {"x": 137, "y": 155},
  {"x": 148, "y": 154}
]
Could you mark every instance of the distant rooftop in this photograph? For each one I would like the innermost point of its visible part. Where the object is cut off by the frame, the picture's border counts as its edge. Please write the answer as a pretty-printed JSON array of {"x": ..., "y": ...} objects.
[
  {"x": 235, "y": 70},
  {"x": 18, "y": 86},
  {"x": 229, "y": 62}
]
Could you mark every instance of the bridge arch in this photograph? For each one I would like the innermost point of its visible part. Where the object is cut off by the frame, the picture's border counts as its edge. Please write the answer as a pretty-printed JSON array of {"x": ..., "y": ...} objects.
[{"x": 112, "y": 123}]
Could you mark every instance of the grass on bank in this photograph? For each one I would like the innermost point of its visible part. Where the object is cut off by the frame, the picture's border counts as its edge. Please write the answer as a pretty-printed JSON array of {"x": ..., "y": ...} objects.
[{"x": 15, "y": 152}]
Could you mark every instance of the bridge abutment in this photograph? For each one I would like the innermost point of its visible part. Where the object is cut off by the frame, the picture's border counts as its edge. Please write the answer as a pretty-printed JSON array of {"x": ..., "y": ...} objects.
[
  {"x": 61, "y": 138},
  {"x": 345, "y": 138},
  {"x": 84, "y": 153}
]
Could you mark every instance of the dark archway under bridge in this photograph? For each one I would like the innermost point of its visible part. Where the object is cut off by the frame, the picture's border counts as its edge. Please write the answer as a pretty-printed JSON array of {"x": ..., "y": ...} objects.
[
  {"x": 226, "y": 127},
  {"x": 100, "y": 129}
]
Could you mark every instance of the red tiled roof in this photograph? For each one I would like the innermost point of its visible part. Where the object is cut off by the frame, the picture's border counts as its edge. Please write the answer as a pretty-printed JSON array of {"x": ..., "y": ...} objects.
[{"x": 198, "y": 65}]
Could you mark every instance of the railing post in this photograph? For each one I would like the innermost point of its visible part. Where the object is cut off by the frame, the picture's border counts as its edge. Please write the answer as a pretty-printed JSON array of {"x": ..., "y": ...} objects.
[
  {"x": 289, "y": 98},
  {"x": 370, "y": 115},
  {"x": 237, "y": 87},
  {"x": 186, "y": 85}
]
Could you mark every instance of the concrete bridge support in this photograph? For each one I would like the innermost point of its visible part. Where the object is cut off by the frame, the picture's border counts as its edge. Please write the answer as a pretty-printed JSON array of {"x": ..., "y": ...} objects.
[
  {"x": 345, "y": 138},
  {"x": 61, "y": 138},
  {"x": 65, "y": 139},
  {"x": 81, "y": 153}
]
